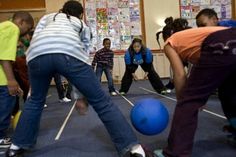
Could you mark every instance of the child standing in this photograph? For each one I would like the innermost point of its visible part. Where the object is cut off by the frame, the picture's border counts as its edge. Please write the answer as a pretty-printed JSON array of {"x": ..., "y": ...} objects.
[
  {"x": 136, "y": 55},
  {"x": 22, "y": 23},
  {"x": 104, "y": 61},
  {"x": 59, "y": 45}
]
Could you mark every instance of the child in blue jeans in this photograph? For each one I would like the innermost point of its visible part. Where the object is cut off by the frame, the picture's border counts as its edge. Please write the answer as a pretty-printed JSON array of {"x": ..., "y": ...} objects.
[
  {"x": 103, "y": 60},
  {"x": 59, "y": 45},
  {"x": 22, "y": 23}
]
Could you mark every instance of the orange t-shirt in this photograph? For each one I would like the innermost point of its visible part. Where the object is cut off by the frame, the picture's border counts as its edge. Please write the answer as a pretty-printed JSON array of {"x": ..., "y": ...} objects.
[{"x": 188, "y": 43}]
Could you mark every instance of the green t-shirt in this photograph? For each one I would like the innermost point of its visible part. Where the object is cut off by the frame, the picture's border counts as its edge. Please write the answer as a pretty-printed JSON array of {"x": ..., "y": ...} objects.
[{"x": 9, "y": 35}]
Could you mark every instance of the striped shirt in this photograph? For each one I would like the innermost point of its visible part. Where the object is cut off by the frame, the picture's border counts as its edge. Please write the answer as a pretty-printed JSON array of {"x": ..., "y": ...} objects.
[
  {"x": 103, "y": 57},
  {"x": 62, "y": 35}
]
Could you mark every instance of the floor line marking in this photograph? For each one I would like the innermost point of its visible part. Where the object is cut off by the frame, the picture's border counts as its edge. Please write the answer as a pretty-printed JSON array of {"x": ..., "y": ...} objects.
[
  {"x": 64, "y": 123},
  {"x": 125, "y": 98},
  {"x": 207, "y": 111}
]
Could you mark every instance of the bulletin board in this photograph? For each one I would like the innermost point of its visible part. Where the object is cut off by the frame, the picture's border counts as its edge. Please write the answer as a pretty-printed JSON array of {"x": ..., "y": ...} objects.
[
  {"x": 190, "y": 8},
  {"x": 118, "y": 20},
  {"x": 21, "y": 4}
]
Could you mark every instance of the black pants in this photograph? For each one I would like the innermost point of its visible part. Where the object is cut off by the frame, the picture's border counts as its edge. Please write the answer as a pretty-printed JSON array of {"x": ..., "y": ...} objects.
[
  {"x": 61, "y": 89},
  {"x": 216, "y": 68},
  {"x": 153, "y": 77}
]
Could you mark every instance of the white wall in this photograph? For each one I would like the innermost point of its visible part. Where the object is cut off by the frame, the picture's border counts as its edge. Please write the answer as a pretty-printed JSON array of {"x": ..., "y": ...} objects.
[
  {"x": 155, "y": 11},
  {"x": 55, "y": 5}
]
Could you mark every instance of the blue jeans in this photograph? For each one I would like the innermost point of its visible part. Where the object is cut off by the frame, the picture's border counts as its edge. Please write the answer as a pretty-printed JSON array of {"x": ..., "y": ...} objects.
[
  {"x": 81, "y": 75},
  {"x": 7, "y": 103},
  {"x": 107, "y": 70}
]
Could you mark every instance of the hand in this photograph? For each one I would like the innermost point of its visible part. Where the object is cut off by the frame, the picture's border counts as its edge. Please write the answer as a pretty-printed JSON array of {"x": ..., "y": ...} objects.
[
  {"x": 14, "y": 88},
  {"x": 81, "y": 106},
  {"x": 134, "y": 77},
  {"x": 145, "y": 76}
]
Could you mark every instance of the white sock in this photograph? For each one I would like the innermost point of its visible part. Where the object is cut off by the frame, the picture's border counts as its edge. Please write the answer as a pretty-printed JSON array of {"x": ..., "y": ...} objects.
[
  {"x": 138, "y": 149},
  {"x": 14, "y": 147}
]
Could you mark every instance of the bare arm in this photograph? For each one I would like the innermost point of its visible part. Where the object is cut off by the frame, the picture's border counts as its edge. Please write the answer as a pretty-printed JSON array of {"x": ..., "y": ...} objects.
[
  {"x": 12, "y": 85},
  {"x": 177, "y": 67}
]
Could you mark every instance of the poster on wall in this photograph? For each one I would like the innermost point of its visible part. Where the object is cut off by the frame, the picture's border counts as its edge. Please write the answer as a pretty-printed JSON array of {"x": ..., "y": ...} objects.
[
  {"x": 118, "y": 20},
  {"x": 190, "y": 8}
]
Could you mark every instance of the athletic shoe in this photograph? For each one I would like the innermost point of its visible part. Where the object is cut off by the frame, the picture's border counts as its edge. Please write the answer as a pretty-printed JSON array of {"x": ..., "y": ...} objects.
[
  {"x": 147, "y": 153},
  {"x": 113, "y": 93},
  {"x": 5, "y": 142},
  {"x": 165, "y": 91},
  {"x": 122, "y": 93},
  {"x": 14, "y": 153},
  {"x": 65, "y": 99},
  {"x": 158, "y": 153}
]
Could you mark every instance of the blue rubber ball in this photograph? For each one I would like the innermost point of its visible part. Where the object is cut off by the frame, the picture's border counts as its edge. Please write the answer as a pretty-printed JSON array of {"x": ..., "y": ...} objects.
[{"x": 149, "y": 116}]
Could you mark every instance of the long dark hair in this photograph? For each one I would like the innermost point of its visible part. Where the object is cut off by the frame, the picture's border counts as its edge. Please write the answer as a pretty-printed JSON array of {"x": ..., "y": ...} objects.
[
  {"x": 71, "y": 8},
  {"x": 131, "y": 49},
  {"x": 172, "y": 26}
]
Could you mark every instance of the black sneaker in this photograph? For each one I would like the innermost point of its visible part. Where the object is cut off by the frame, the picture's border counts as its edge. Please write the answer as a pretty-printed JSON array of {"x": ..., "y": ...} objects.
[
  {"x": 170, "y": 85},
  {"x": 5, "y": 143},
  {"x": 14, "y": 153}
]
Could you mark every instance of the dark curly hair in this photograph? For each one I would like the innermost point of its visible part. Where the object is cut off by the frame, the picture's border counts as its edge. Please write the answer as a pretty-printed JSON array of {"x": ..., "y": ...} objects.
[
  {"x": 131, "y": 49},
  {"x": 72, "y": 8},
  {"x": 172, "y": 26},
  {"x": 205, "y": 12}
]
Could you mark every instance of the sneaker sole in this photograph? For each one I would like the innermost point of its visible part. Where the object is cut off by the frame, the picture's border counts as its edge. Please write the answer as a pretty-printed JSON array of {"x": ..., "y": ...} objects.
[{"x": 5, "y": 146}]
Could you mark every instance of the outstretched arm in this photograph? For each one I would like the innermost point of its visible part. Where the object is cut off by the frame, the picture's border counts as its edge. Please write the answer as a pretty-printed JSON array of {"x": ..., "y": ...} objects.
[{"x": 177, "y": 67}]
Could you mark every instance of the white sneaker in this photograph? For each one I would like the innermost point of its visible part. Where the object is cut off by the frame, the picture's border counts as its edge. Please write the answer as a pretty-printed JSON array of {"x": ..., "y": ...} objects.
[
  {"x": 168, "y": 91},
  {"x": 113, "y": 93},
  {"x": 65, "y": 99},
  {"x": 45, "y": 106},
  {"x": 5, "y": 142}
]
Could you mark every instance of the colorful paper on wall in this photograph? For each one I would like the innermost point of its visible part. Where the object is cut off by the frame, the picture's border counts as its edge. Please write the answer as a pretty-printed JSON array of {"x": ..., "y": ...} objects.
[
  {"x": 135, "y": 28},
  {"x": 124, "y": 15},
  {"x": 112, "y": 3},
  {"x": 190, "y": 8},
  {"x": 118, "y": 20},
  {"x": 186, "y": 12},
  {"x": 123, "y": 3},
  {"x": 101, "y": 15},
  {"x": 101, "y": 3},
  {"x": 134, "y": 13}
]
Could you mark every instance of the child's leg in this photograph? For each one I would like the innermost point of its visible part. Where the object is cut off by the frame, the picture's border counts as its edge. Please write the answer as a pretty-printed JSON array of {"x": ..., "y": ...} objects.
[
  {"x": 69, "y": 90},
  {"x": 59, "y": 86},
  {"x": 99, "y": 70},
  {"x": 109, "y": 79},
  {"x": 7, "y": 103},
  {"x": 126, "y": 81},
  {"x": 194, "y": 95},
  {"x": 40, "y": 72},
  {"x": 16, "y": 106},
  {"x": 154, "y": 78},
  {"x": 227, "y": 96},
  {"x": 87, "y": 83}
]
